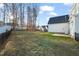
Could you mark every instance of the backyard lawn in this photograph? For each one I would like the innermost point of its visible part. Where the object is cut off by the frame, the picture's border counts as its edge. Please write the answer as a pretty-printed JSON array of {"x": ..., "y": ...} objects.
[{"x": 23, "y": 43}]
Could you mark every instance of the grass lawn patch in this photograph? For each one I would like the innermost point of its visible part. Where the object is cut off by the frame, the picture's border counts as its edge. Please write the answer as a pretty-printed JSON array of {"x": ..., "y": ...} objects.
[{"x": 40, "y": 44}]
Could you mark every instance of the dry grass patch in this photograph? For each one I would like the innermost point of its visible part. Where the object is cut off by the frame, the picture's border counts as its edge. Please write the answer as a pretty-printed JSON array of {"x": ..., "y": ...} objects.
[{"x": 40, "y": 44}]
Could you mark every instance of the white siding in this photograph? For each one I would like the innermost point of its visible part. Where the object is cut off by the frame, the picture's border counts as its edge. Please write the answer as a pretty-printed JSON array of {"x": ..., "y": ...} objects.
[
  {"x": 59, "y": 27},
  {"x": 77, "y": 24},
  {"x": 72, "y": 26},
  {"x": 74, "y": 20}
]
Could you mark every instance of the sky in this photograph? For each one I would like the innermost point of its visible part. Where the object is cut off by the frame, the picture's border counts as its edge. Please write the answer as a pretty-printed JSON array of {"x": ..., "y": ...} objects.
[{"x": 48, "y": 10}]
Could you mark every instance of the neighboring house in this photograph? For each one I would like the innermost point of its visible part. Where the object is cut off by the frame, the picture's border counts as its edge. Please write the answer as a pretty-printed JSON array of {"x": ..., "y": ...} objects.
[
  {"x": 43, "y": 28},
  {"x": 59, "y": 24},
  {"x": 74, "y": 21},
  {"x": 10, "y": 24},
  {"x": 64, "y": 24}
]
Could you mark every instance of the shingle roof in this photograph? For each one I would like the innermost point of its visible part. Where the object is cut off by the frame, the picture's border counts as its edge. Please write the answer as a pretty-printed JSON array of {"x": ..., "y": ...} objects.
[{"x": 59, "y": 19}]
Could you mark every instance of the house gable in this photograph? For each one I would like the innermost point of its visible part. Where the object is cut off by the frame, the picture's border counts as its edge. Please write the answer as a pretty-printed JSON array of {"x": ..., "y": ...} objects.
[{"x": 59, "y": 19}]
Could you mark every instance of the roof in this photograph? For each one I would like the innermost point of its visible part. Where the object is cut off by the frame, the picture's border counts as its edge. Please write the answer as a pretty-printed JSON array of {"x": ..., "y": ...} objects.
[
  {"x": 59, "y": 19},
  {"x": 8, "y": 23}
]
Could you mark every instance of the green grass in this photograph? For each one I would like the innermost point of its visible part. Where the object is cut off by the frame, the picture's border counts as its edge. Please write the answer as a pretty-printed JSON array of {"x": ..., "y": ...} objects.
[{"x": 40, "y": 44}]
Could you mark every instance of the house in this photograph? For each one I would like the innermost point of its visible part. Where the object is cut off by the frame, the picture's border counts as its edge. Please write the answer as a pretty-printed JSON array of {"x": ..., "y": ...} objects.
[
  {"x": 59, "y": 24},
  {"x": 66, "y": 24},
  {"x": 43, "y": 28},
  {"x": 74, "y": 21}
]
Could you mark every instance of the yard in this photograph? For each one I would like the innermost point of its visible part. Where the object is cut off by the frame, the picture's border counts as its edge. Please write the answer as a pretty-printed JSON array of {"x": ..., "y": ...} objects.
[{"x": 23, "y": 43}]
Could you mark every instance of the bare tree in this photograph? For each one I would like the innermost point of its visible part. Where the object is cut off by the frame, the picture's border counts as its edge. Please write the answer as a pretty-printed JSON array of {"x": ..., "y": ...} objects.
[
  {"x": 17, "y": 11},
  {"x": 32, "y": 12},
  {"x": 21, "y": 13}
]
